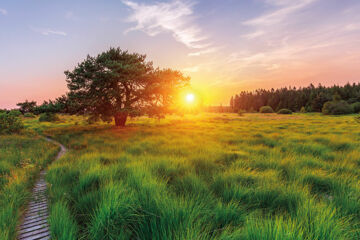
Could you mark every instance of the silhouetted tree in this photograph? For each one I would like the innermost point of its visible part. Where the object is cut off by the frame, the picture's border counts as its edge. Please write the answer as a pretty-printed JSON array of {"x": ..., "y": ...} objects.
[
  {"x": 26, "y": 107},
  {"x": 116, "y": 84},
  {"x": 311, "y": 98}
]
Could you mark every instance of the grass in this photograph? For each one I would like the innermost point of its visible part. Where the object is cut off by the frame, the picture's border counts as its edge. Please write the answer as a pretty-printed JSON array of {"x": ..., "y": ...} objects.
[
  {"x": 21, "y": 158},
  {"x": 206, "y": 176}
]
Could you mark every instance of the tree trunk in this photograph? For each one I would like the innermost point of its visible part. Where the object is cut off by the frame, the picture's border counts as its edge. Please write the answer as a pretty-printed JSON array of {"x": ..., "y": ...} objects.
[{"x": 120, "y": 119}]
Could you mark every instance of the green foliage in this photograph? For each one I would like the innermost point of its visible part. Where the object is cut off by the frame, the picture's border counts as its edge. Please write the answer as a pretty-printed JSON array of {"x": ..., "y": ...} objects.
[
  {"x": 48, "y": 117},
  {"x": 266, "y": 109},
  {"x": 356, "y": 107},
  {"x": 27, "y": 107},
  {"x": 62, "y": 226},
  {"x": 21, "y": 158},
  {"x": 337, "y": 108},
  {"x": 29, "y": 115},
  {"x": 274, "y": 178},
  {"x": 303, "y": 110},
  {"x": 15, "y": 113},
  {"x": 129, "y": 85},
  {"x": 60, "y": 105},
  {"x": 284, "y": 111},
  {"x": 10, "y": 123},
  {"x": 312, "y": 97}
]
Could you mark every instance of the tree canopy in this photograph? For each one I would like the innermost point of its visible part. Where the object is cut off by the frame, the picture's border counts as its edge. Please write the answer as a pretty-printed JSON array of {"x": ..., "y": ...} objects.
[
  {"x": 310, "y": 98},
  {"x": 27, "y": 106},
  {"x": 116, "y": 84}
]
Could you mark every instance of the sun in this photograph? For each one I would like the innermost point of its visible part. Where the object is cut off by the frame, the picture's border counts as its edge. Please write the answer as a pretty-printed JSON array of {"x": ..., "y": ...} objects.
[{"x": 190, "y": 97}]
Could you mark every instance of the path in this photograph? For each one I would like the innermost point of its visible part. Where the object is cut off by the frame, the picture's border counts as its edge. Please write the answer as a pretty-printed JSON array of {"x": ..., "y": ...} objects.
[{"x": 34, "y": 224}]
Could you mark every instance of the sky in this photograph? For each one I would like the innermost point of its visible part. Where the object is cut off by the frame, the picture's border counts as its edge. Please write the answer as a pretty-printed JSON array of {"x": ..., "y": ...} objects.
[{"x": 225, "y": 46}]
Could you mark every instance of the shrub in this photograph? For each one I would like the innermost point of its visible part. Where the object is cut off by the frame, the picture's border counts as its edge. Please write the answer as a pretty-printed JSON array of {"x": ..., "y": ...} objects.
[
  {"x": 337, "y": 108},
  {"x": 15, "y": 113},
  {"x": 29, "y": 115},
  {"x": 48, "y": 117},
  {"x": 356, "y": 107},
  {"x": 284, "y": 111},
  {"x": 10, "y": 123},
  {"x": 303, "y": 110},
  {"x": 266, "y": 109},
  {"x": 241, "y": 112}
]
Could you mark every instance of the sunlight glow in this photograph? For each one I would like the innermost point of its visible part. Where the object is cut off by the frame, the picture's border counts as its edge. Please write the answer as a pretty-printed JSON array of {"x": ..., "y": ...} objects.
[{"x": 190, "y": 97}]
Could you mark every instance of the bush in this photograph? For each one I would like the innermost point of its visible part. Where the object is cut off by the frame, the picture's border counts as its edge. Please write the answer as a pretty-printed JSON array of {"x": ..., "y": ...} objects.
[
  {"x": 48, "y": 117},
  {"x": 284, "y": 111},
  {"x": 337, "y": 108},
  {"x": 356, "y": 107},
  {"x": 15, "y": 113},
  {"x": 29, "y": 115},
  {"x": 241, "y": 112},
  {"x": 303, "y": 110},
  {"x": 266, "y": 109},
  {"x": 10, "y": 123}
]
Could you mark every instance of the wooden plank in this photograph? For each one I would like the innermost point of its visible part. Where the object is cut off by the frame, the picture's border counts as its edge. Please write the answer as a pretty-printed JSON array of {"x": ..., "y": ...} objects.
[
  {"x": 34, "y": 233},
  {"x": 33, "y": 228},
  {"x": 33, "y": 223},
  {"x": 37, "y": 208},
  {"x": 34, "y": 217},
  {"x": 38, "y": 204}
]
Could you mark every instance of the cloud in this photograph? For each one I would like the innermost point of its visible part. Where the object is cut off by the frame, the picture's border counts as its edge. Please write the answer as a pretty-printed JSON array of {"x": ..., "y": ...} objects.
[
  {"x": 192, "y": 69},
  {"x": 352, "y": 27},
  {"x": 287, "y": 7},
  {"x": 47, "y": 31},
  {"x": 202, "y": 52},
  {"x": 174, "y": 17},
  {"x": 254, "y": 34},
  {"x": 3, "y": 11}
]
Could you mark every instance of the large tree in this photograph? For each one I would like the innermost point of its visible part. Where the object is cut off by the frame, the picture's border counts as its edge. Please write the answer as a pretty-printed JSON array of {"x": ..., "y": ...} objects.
[{"x": 116, "y": 84}]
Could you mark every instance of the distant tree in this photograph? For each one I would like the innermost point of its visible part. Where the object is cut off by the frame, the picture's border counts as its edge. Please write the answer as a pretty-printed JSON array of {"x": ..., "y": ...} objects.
[
  {"x": 48, "y": 117},
  {"x": 266, "y": 109},
  {"x": 232, "y": 103},
  {"x": 338, "y": 107},
  {"x": 27, "y": 107},
  {"x": 116, "y": 84},
  {"x": 284, "y": 111},
  {"x": 356, "y": 107},
  {"x": 15, "y": 113},
  {"x": 311, "y": 97}
]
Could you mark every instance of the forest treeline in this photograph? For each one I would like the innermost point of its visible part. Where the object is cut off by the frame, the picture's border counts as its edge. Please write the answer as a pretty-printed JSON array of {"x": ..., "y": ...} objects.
[{"x": 310, "y": 99}]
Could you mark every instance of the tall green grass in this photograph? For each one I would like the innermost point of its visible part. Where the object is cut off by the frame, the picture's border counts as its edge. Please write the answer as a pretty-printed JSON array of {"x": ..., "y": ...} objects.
[
  {"x": 209, "y": 176},
  {"x": 21, "y": 159}
]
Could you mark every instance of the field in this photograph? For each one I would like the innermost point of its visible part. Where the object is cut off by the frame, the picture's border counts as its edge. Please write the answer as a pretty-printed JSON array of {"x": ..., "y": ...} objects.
[
  {"x": 207, "y": 176},
  {"x": 21, "y": 158}
]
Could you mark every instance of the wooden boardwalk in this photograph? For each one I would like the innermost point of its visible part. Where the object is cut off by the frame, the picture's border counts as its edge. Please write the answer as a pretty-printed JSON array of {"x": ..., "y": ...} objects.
[{"x": 34, "y": 224}]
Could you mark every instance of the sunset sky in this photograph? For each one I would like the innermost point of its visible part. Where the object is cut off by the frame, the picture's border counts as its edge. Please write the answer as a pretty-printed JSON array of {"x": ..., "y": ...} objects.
[{"x": 226, "y": 46}]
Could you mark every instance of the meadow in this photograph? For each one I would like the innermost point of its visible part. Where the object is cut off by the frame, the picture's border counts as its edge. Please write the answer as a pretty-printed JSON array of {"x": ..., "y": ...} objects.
[
  {"x": 205, "y": 176},
  {"x": 21, "y": 159}
]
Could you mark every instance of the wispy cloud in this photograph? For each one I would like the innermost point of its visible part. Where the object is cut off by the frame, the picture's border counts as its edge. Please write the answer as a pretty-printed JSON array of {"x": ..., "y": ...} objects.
[
  {"x": 47, "y": 31},
  {"x": 352, "y": 27},
  {"x": 204, "y": 51},
  {"x": 174, "y": 17},
  {"x": 255, "y": 34},
  {"x": 3, "y": 11},
  {"x": 286, "y": 8},
  {"x": 191, "y": 69}
]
